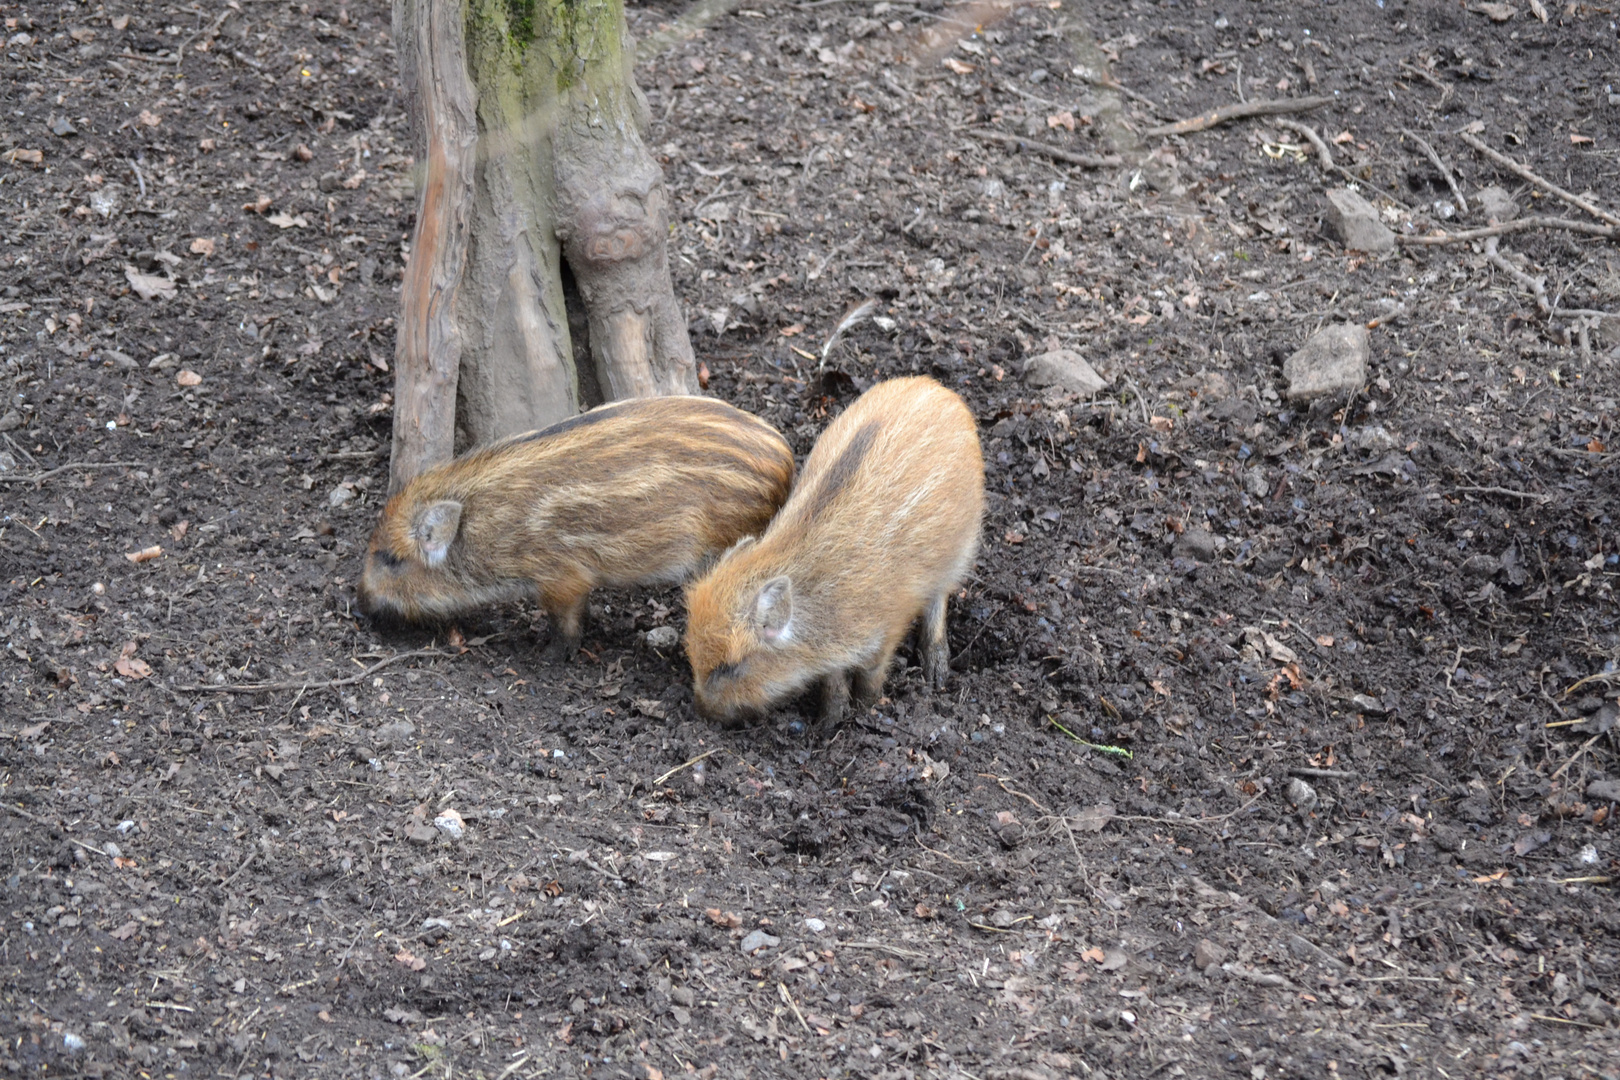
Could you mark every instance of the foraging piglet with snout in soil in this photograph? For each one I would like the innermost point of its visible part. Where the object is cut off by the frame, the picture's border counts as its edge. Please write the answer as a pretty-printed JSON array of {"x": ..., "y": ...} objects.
[
  {"x": 882, "y": 526},
  {"x": 640, "y": 492}
]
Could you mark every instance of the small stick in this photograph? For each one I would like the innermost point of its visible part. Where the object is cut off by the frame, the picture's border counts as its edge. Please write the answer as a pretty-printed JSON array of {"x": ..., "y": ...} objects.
[
  {"x": 1056, "y": 153},
  {"x": 326, "y": 684},
  {"x": 1537, "y": 287},
  {"x": 1110, "y": 84},
  {"x": 1322, "y": 774},
  {"x": 684, "y": 765},
  {"x": 40, "y": 478},
  {"x": 1451, "y": 181},
  {"x": 1504, "y": 491},
  {"x": 1525, "y": 173},
  {"x": 1324, "y": 156},
  {"x": 1240, "y": 111},
  {"x": 1444, "y": 87},
  {"x": 1590, "y": 228}
]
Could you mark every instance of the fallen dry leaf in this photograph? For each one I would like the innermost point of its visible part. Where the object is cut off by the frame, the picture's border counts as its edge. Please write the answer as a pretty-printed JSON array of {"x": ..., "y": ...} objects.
[
  {"x": 410, "y": 960},
  {"x": 1064, "y": 120},
  {"x": 1579, "y": 140},
  {"x": 723, "y": 918},
  {"x": 207, "y": 146},
  {"x": 1095, "y": 955},
  {"x": 188, "y": 377},
  {"x": 179, "y": 530},
  {"x": 791, "y": 331},
  {"x": 132, "y": 667},
  {"x": 24, "y": 157},
  {"x": 123, "y": 933},
  {"x": 257, "y": 206},
  {"x": 149, "y": 286},
  {"x": 148, "y": 118},
  {"x": 144, "y": 555},
  {"x": 203, "y": 246},
  {"x": 1497, "y": 12},
  {"x": 1344, "y": 137},
  {"x": 283, "y": 220},
  {"x": 957, "y": 66},
  {"x": 355, "y": 181}
]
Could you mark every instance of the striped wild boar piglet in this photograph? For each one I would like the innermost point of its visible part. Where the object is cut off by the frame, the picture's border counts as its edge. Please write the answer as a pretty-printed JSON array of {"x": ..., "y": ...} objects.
[
  {"x": 882, "y": 526},
  {"x": 639, "y": 492}
]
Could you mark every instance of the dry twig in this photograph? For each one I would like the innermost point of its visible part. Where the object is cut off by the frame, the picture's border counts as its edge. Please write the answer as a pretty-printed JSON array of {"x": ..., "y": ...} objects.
[
  {"x": 40, "y": 478},
  {"x": 1324, "y": 156},
  {"x": 325, "y": 684},
  {"x": 1608, "y": 232},
  {"x": 1537, "y": 287},
  {"x": 1526, "y": 173},
  {"x": 1439, "y": 163},
  {"x": 1241, "y": 110},
  {"x": 1056, "y": 153}
]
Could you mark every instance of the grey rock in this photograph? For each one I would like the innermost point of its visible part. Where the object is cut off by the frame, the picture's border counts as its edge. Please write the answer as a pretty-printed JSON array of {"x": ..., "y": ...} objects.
[
  {"x": 1374, "y": 437},
  {"x": 1483, "y": 566},
  {"x": 1368, "y": 704},
  {"x": 62, "y": 127},
  {"x": 1066, "y": 370},
  {"x": 120, "y": 359},
  {"x": 1353, "y": 222},
  {"x": 682, "y": 995},
  {"x": 1207, "y": 954},
  {"x": 1495, "y": 204},
  {"x": 1199, "y": 544},
  {"x": 663, "y": 637},
  {"x": 757, "y": 940},
  {"x": 331, "y": 182},
  {"x": 815, "y": 926},
  {"x": 1003, "y": 919},
  {"x": 1333, "y": 361},
  {"x": 1302, "y": 795},
  {"x": 1606, "y": 790},
  {"x": 11, "y": 421},
  {"x": 395, "y": 733}
]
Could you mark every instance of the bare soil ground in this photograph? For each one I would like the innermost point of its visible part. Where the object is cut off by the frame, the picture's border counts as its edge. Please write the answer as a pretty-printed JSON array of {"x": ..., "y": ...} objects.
[{"x": 1363, "y": 653}]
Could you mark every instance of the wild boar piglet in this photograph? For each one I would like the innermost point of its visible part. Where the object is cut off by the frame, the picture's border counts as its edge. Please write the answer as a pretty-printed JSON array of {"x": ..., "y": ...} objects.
[
  {"x": 882, "y": 526},
  {"x": 639, "y": 492}
]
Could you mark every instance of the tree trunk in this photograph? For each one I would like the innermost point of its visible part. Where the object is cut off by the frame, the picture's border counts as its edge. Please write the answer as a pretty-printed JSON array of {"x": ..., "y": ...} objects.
[{"x": 529, "y": 134}]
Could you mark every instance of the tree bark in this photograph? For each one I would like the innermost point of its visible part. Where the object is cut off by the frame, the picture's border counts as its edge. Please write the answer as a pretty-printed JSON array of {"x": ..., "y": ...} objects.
[{"x": 529, "y": 128}]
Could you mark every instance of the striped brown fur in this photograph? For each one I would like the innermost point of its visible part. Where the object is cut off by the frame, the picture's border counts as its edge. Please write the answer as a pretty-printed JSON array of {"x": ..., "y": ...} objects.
[
  {"x": 882, "y": 526},
  {"x": 639, "y": 492}
]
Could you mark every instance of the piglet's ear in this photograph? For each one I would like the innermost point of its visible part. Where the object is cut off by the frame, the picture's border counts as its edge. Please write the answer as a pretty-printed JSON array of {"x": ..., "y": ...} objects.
[
  {"x": 435, "y": 528},
  {"x": 773, "y": 609}
]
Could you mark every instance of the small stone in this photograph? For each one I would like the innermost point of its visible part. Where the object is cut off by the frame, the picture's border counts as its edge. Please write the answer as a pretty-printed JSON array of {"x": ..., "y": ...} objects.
[
  {"x": 1482, "y": 566},
  {"x": 1333, "y": 361},
  {"x": 681, "y": 1015},
  {"x": 1003, "y": 919},
  {"x": 72, "y": 1043},
  {"x": 11, "y": 421},
  {"x": 1368, "y": 704},
  {"x": 757, "y": 940},
  {"x": 1065, "y": 369},
  {"x": 1302, "y": 795},
  {"x": 682, "y": 995},
  {"x": 120, "y": 359},
  {"x": 663, "y": 637},
  {"x": 62, "y": 127},
  {"x": 340, "y": 496},
  {"x": 420, "y": 834},
  {"x": 1374, "y": 437},
  {"x": 451, "y": 824},
  {"x": 815, "y": 926},
  {"x": 1207, "y": 954},
  {"x": 1495, "y": 204},
  {"x": 1199, "y": 544},
  {"x": 1353, "y": 222},
  {"x": 396, "y": 733},
  {"x": 331, "y": 182}
]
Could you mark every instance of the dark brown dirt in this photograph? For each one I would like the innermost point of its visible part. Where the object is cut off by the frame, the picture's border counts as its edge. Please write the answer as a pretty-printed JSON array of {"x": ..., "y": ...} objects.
[{"x": 1363, "y": 654}]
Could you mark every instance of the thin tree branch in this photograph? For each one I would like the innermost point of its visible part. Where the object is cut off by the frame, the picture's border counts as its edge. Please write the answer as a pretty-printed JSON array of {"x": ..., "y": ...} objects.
[
  {"x": 1590, "y": 228},
  {"x": 325, "y": 684},
  {"x": 1056, "y": 153},
  {"x": 1240, "y": 111},
  {"x": 1439, "y": 163},
  {"x": 1525, "y": 173},
  {"x": 40, "y": 478}
]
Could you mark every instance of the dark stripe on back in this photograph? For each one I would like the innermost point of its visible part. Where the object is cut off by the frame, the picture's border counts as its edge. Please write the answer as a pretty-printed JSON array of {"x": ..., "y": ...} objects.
[
  {"x": 574, "y": 423},
  {"x": 844, "y": 469}
]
